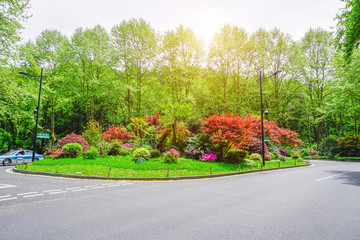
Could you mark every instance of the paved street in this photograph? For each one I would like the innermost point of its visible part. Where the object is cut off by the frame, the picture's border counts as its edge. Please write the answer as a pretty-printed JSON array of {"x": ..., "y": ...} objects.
[{"x": 317, "y": 202}]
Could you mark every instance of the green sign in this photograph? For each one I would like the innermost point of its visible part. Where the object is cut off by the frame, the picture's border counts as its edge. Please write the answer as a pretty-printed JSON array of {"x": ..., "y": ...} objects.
[
  {"x": 266, "y": 138},
  {"x": 140, "y": 160},
  {"x": 43, "y": 135}
]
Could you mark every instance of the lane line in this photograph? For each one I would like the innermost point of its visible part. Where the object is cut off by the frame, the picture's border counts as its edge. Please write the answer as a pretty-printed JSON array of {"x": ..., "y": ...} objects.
[
  {"x": 7, "y": 199},
  {"x": 78, "y": 190},
  {"x": 3, "y": 185},
  {"x": 73, "y": 188},
  {"x": 34, "y": 195},
  {"x": 91, "y": 186},
  {"x": 318, "y": 180},
  {"x": 97, "y": 187},
  {"x": 49, "y": 191},
  {"x": 58, "y": 192},
  {"x": 5, "y": 196},
  {"x": 21, "y": 194}
]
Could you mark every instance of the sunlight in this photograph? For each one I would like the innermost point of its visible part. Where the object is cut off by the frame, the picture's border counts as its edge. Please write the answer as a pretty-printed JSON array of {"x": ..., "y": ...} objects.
[{"x": 207, "y": 22}]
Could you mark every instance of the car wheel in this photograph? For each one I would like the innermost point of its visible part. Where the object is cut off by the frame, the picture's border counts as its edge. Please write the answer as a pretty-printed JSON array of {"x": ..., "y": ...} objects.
[
  {"x": 7, "y": 162},
  {"x": 36, "y": 159}
]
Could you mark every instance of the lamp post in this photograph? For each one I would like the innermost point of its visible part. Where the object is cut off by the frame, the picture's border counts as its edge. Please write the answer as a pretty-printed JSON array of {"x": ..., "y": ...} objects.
[
  {"x": 262, "y": 115},
  {"x": 37, "y": 109}
]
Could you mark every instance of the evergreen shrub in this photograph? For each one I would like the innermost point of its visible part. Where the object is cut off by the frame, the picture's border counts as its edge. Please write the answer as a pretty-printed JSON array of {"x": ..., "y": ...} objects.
[
  {"x": 72, "y": 150},
  {"x": 235, "y": 156},
  {"x": 141, "y": 153},
  {"x": 92, "y": 153}
]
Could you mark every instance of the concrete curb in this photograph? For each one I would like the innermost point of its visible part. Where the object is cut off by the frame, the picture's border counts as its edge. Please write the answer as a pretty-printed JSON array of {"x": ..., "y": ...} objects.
[{"x": 151, "y": 178}]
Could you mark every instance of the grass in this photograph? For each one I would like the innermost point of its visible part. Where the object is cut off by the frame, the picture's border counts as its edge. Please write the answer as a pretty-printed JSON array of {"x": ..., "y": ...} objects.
[{"x": 126, "y": 167}]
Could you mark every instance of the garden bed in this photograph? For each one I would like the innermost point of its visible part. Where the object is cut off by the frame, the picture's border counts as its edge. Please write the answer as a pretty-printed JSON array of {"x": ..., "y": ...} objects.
[{"x": 125, "y": 166}]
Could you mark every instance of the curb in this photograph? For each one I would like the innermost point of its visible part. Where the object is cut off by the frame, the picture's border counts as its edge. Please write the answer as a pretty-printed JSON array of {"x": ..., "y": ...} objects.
[{"x": 152, "y": 178}]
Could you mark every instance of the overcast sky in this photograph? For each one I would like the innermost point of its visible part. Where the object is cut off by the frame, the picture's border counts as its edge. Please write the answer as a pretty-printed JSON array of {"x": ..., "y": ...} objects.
[{"x": 205, "y": 17}]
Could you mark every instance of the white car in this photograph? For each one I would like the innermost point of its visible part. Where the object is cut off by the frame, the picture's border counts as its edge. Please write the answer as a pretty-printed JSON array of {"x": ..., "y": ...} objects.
[{"x": 20, "y": 156}]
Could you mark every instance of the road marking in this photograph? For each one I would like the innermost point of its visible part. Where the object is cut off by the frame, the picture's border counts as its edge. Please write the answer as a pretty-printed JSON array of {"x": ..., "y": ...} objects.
[
  {"x": 91, "y": 186},
  {"x": 58, "y": 192},
  {"x": 318, "y": 180},
  {"x": 5, "y": 196},
  {"x": 113, "y": 185},
  {"x": 34, "y": 195},
  {"x": 97, "y": 187},
  {"x": 78, "y": 190},
  {"x": 21, "y": 194},
  {"x": 73, "y": 188},
  {"x": 2, "y": 185},
  {"x": 7, "y": 199},
  {"x": 49, "y": 191}
]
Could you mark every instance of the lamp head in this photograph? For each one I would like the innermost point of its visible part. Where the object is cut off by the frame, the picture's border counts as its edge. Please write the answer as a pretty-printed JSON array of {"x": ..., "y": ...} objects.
[
  {"x": 277, "y": 72},
  {"x": 24, "y": 73},
  {"x": 266, "y": 112}
]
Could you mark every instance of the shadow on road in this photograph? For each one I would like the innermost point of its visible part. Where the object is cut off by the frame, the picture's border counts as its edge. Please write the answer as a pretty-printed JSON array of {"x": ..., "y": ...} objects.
[{"x": 351, "y": 178}]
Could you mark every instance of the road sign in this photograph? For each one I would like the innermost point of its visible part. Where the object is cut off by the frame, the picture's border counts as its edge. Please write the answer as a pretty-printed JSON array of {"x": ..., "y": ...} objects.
[
  {"x": 266, "y": 138},
  {"x": 43, "y": 135},
  {"x": 295, "y": 145}
]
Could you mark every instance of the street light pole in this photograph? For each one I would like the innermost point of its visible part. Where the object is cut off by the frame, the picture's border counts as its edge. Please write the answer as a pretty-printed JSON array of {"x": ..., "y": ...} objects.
[
  {"x": 262, "y": 115},
  {"x": 37, "y": 109}
]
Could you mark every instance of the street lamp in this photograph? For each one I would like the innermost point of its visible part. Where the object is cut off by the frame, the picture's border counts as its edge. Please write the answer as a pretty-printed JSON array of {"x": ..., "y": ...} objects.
[
  {"x": 36, "y": 110},
  {"x": 262, "y": 115}
]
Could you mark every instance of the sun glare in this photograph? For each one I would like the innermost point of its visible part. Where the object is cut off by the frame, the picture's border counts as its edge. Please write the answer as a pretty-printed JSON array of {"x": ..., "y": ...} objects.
[{"x": 207, "y": 22}]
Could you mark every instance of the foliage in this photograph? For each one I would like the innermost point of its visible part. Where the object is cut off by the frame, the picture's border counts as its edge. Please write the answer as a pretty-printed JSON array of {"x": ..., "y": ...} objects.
[
  {"x": 155, "y": 153},
  {"x": 327, "y": 144},
  {"x": 72, "y": 150},
  {"x": 314, "y": 152},
  {"x": 74, "y": 138},
  {"x": 255, "y": 146},
  {"x": 236, "y": 156},
  {"x": 154, "y": 120},
  {"x": 166, "y": 137},
  {"x": 141, "y": 153},
  {"x": 171, "y": 156},
  {"x": 255, "y": 157},
  {"x": 58, "y": 153},
  {"x": 249, "y": 162},
  {"x": 210, "y": 157},
  {"x": 92, "y": 133},
  {"x": 305, "y": 153},
  {"x": 349, "y": 146},
  {"x": 283, "y": 153},
  {"x": 199, "y": 145},
  {"x": 92, "y": 153},
  {"x": 116, "y": 148},
  {"x": 117, "y": 133}
]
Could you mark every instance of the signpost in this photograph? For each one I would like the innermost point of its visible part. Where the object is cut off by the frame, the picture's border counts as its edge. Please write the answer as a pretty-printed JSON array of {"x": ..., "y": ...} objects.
[{"x": 43, "y": 135}]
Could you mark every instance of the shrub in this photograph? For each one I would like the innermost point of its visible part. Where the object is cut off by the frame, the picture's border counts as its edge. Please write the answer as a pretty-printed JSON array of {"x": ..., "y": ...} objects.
[
  {"x": 92, "y": 153},
  {"x": 289, "y": 154},
  {"x": 327, "y": 144},
  {"x": 92, "y": 133},
  {"x": 155, "y": 153},
  {"x": 73, "y": 150},
  {"x": 255, "y": 157},
  {"x": 171, "y": 156},
  {"x": 349, "y": 146},
  {"x": 314, "y": 152},
  {"x": 210, "y": 157},
  {"x": 249, "y": 162},
  {"x": 283, "y": 153},
  {"x": 236, "y": 156},
  {"x": 58, "y": 153},
  {"x": 296, "y": 156},
  {"x": 141, "y": 153},
  {"x": 115, "y": 148},
  {"x": 199, "y": 144},
  {"x": 117, "y": 133},
  {"x": 268, "y": 156},
  {"x": 305, "y": 153},
  {"x": 74, "y": 138}
]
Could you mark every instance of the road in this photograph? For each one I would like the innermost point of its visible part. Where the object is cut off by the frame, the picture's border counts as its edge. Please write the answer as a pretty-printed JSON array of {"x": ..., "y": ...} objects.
[{"x": 317, "y": 202}]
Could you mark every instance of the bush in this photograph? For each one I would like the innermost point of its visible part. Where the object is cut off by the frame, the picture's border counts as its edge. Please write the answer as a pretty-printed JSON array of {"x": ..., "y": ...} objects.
[
  {"x": 199, "y": 145},
  {"x": 117, "y": 133},
  {"x": 141, "y": 153},
  {"x": 255, "y": 147},
  {"x": 92, "y": 133},
  {"x": 72, "y": 150},
  {"x": 74, "y": 138},
  {"x": 92, "y": 153},
  {"x": 249, "y": 162},
  {"x": 171, "y": 156},
  {"x": 296, "y": 156},
  {"x": 327, "y": 144},
  {"x": 314, "y": 152},
  {"x": 255, "y": 157},
  {"x": 236, "y": 156},
  {"x": 305, "y": 153},
  {"x": 210, "y": 157},
  {"x": 349, "y": 146},
  {"x": 155, "y": 153},
  {"x": 115, "y": 148}
]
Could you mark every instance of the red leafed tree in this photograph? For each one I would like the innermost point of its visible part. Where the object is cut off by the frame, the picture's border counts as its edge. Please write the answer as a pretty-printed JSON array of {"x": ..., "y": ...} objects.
[
  {"x": 277, "y": 134},
  {"x": 117, "y": 133},
  {"x": 154, "y": 120},
  {"x": 227, "y": 131}
]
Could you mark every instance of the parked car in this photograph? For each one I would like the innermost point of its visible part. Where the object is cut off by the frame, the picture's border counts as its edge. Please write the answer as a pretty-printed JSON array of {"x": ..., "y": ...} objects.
[{"x": 20, "y": 155}]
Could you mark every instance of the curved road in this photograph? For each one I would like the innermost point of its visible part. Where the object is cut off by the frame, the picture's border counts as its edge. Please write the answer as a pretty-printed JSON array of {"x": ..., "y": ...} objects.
[{"x": 317, "y": 202}]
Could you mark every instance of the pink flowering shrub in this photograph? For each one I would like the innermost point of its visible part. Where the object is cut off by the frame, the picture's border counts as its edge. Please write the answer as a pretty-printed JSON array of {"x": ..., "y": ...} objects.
[
  {"x": 210, "y": 157},
  {"x": 171, "y": 156},
  {"x": 314, "y": 152},
  {"x": 58, "y": 153},
  {"x": 267, "y": 156},
  {"x": 74, "y": 138},
  {"x": 128, "y": 145}
]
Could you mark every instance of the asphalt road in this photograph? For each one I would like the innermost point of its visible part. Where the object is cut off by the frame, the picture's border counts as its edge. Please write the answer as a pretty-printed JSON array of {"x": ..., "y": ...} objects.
[{"x": 317, "y": 202}]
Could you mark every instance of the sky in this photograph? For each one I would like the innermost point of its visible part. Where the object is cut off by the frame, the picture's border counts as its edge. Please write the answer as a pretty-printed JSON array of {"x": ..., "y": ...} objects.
[{"x": 205, "y": 17}]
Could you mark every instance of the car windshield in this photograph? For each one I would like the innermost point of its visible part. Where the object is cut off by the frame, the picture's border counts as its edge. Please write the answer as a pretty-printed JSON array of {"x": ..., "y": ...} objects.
[{"x": 12, "y": 152}]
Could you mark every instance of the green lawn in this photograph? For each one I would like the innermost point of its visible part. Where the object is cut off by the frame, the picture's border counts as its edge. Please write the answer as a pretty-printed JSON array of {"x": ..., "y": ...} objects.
[{"x": 126, "y": 167}]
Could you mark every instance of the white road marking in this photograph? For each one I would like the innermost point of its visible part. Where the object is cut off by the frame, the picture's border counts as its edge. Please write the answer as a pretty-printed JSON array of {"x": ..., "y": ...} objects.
[
  {"x": 91, "y": 186},
  {"x": 5, "y": 196},
  {"x": 97, "y": 187},
  {"x": 34, "y": 195},
  {"x": 21, "y": 194},
  {"x": 2, "y": 185},
  {"x": 78, "y": 190},
  {"x": 318, "y": 180},
  {"x": 49, "y": 191},
  {"x": 113, "y": 185},
  {"x": 73, "y": 188},
  {"x": 58, "y": 192},
  {"x": 7, "y": 199}
]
